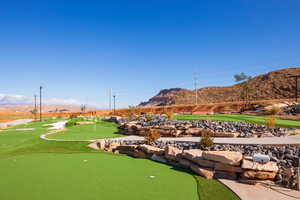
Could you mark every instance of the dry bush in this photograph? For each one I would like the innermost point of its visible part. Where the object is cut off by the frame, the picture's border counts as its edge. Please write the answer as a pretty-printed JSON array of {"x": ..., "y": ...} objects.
[
  {"x": 207, "y": 119},
  {"x": 169, "y": 114},
  {"x": 132, "y": 113},
  {"x": 271, "y": 122},
  {"x": 273, "y": 110},
  {"x": 149, "y": 116},
  {"x": 207, "y": 141},
  {"x": 152, "y": 136}
]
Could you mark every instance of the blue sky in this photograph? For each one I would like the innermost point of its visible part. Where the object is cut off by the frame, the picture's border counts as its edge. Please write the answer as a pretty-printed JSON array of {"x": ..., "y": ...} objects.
[{"x": 80, "y": 49}]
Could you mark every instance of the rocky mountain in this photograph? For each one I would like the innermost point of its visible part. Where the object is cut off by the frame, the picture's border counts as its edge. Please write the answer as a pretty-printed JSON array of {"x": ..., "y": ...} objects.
[{"x": 274, "y": 85}]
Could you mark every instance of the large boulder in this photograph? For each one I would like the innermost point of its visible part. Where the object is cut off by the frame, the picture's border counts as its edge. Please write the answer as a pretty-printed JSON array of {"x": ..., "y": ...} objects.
[
  {"x": 262, "y": 175},
  {"x": 227, "y": 168},
  {"x": 158, "y": 158},
  {"x": 225, "y": 175},
  {"x": 205, "y": 172},
  {"x": 151, "y": 149},
  {"x": 194, "y": 131},
  {"x": 172, "y": 153},
  {"x": 191, "y": 154},
  {"x": 269, "y": 166},
  {"x": 225, "y": 157},
  {"x": 185, "y": 163},
  {"x": 195, "y": 155}
]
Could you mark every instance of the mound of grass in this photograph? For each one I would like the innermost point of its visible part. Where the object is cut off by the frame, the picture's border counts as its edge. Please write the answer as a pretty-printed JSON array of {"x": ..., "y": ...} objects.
[{"x": 240, "y": 118}]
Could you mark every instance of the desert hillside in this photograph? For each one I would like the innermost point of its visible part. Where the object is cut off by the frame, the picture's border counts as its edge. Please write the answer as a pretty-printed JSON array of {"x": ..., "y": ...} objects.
[{"x": 274, "y": 85}]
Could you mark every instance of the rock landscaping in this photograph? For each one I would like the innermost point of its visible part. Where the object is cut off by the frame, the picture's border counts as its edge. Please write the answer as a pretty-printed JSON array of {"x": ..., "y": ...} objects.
[
  {"x": 177, "y": 128},
  {"x": 233, "y": 162}
]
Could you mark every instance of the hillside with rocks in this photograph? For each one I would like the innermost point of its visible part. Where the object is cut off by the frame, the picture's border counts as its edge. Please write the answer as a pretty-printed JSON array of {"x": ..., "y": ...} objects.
[{"x": 274, "y": 85}]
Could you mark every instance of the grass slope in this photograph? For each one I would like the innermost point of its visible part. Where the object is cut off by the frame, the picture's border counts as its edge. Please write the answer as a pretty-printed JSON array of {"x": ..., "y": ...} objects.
[
  {"x": 240, "y": 118},
  {"x": 33, "y": 169},
  {"x": 87, "y": 132}
]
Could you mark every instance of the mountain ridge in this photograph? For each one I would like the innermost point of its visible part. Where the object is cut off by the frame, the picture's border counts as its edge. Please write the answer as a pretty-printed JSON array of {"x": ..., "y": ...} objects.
[{"x": 273, "y": 85}]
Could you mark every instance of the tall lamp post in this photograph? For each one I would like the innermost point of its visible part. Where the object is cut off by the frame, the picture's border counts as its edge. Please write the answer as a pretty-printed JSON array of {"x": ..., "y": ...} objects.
[
  {"x": 114, "y": 96},
  {"x": 41, "y": 103}
]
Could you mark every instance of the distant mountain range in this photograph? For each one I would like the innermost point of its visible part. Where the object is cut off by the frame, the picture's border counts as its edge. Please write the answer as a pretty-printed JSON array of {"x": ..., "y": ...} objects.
[
  {"x": 274, "y": 85},
  {"x": 21, "y": 103}
]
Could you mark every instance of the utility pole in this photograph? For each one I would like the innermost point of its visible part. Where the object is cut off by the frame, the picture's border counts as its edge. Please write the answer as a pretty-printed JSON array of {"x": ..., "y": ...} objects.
[
  {"x": 195, "y": 84},
  {"x": 35, "y": 107},
  {"x": 114, "y": 96},
  {"x": 296, "y": 86},
  {"x": 109, "y": 93},
  {"x": 41, "y": 103}
]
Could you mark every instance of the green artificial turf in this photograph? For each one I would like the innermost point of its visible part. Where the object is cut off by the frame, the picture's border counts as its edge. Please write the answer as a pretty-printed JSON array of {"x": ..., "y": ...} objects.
[
  {"x": 91, "y": 131},
  {"x": 34, "y": 169},
  {"x": 240, "y": 118}
]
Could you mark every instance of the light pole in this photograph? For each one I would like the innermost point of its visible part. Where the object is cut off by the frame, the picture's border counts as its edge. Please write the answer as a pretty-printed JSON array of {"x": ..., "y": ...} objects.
[
  {"x": 41, "y": 103},
  {"x": 114, "y": 96},
  {"x": 35, "y": 107}
]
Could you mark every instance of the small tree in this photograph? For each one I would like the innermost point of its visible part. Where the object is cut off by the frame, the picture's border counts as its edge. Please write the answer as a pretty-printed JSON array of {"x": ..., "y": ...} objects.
[{"x": 245, "y": 88}]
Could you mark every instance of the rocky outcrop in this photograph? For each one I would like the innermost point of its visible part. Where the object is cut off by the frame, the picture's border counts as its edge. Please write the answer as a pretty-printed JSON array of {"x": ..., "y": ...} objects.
[
  {"x": 274, "y": 85},
  {"x": 225, "y": 157}
]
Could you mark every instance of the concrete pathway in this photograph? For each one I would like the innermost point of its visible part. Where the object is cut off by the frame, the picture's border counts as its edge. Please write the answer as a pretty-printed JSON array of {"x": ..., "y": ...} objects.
[
  {"x": 270, "y": 140},
  {"x": 261, "y": 191},
  {"x": 14, "y": 123}
]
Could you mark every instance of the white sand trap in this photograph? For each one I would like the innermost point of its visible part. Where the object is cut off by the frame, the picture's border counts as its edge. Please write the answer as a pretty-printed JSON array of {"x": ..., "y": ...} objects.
[{"x": 57, "y": 125}]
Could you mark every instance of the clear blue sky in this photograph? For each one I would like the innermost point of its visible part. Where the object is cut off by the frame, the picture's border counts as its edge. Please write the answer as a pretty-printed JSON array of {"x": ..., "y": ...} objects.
[{"x": 80, "y": 49}]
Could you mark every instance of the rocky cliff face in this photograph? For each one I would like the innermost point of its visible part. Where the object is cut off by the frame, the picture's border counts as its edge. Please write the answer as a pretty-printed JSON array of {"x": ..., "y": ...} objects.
[{"x": 274, "y": 85}]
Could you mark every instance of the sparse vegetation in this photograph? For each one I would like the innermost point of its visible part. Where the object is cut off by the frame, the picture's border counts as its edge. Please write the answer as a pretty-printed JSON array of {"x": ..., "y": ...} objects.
[
  {"x": 207, "y": 141},
  {"x": 149, "y": 116},
  {"x": 153, "y": 135},
  {"x": 273, "y": 110},
  {"x": 169, "y": 114},
  {"x": 270, "y": 122}
]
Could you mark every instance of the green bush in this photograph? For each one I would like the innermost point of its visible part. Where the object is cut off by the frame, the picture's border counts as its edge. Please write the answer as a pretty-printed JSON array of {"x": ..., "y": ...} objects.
[{"x": 73, "y": 122}]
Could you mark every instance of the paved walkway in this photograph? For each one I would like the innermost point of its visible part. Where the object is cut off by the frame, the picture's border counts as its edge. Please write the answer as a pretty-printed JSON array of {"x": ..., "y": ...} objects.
[
  {"x": 14, "y": 123},
  {"x": 261, "y": 191},
  {"x": 269, "y": 140}
]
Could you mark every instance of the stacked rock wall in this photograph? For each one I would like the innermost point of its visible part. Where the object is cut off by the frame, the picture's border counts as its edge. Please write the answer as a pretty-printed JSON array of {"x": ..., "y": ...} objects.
[{"x": 223, "y": 161}]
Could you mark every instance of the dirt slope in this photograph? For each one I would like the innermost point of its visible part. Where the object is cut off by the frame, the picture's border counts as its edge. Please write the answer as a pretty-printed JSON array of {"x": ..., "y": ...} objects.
[{"x": 274, "y": 85}]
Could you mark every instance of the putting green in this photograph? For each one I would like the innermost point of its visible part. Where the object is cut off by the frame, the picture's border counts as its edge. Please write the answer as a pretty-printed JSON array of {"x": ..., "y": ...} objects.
[
  {"x": 34, "y": 169},
  {"x": 87, "y": 132},
  {"x": 240, "y": 118},
  {"x": 92, "y": 176}
]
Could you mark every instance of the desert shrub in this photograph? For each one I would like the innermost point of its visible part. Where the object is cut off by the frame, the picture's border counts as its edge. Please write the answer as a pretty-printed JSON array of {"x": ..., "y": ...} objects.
[
  {"x": 271, "y": 122},
  {"x": 207, "y": 119},
  {"x": 72, "y": 122},
  {"x": 273, "y": 110},
  {"x": 207, "y": 141},
  {"x": 169, "y": 114},
  {"x": 132, "y": 113},
  {"x": 153, "y": 135},
  {"x": 149, "y": 116}
]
